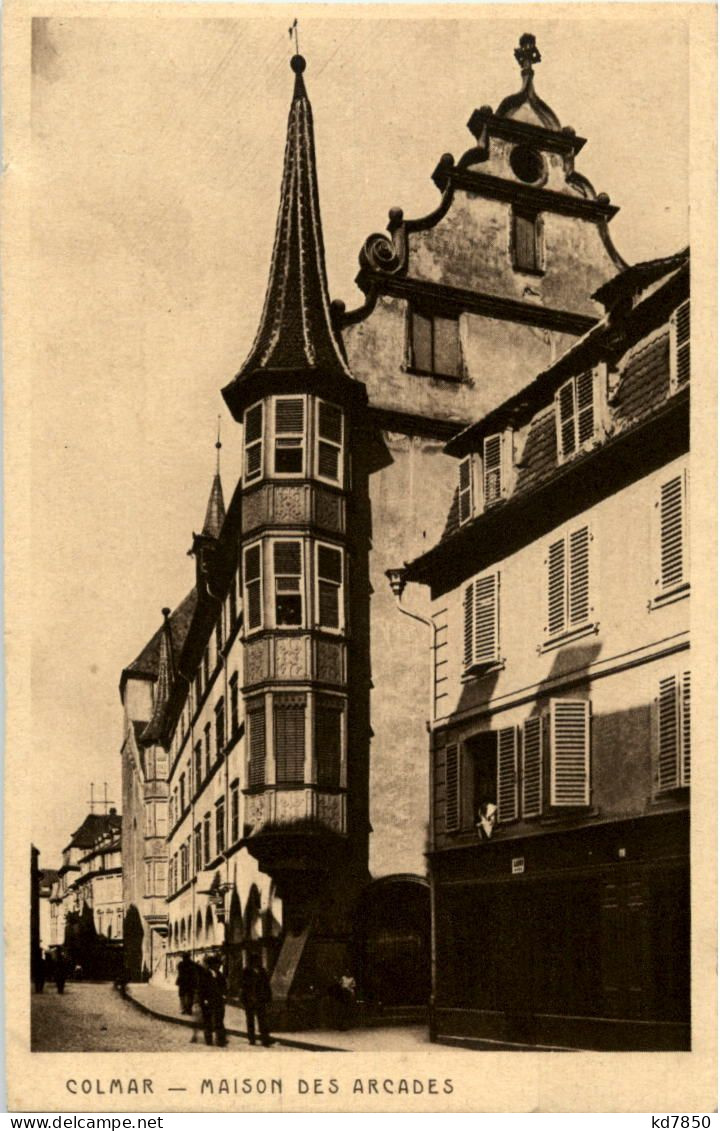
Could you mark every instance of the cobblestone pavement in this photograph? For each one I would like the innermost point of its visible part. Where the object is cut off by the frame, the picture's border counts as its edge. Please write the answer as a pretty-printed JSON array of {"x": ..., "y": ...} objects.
[{"x": 92, "y": 1017}]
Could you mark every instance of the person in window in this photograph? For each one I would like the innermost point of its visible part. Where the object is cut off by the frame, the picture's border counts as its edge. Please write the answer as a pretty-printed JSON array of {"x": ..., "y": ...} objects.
[
  {"x": 211, "y": 991},
  {"x": 487, "y": 819},
  {"x": 255, "y": 997}
]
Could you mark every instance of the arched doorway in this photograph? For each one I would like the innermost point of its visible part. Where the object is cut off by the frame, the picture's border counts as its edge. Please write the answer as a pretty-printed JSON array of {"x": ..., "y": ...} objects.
[{"x": 392, "y": 941}]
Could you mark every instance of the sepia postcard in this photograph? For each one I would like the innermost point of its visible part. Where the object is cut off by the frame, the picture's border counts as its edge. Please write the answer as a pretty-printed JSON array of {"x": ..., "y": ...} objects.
[{"x": 360, "y": 554}]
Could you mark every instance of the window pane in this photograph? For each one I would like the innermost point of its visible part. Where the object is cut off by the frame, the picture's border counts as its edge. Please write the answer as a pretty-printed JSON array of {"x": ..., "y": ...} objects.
[
  {"x": 286, "y": 556},
  {"x": 252, "y": 563},
  {"x": 328, "y": 749},
  {"x": 328, "y": 600},
  {"x": 328, "y": 461},
  {"x": 330, "y": 422},
  {"x": 288, "y": 609},
  {"x": 447, "y": 347},
  {"x": 421, "y": 342},
  {"x": 289, "y": 456},
  {"x": 289, "y": 721},
  {"x": 329, "y": 563}
]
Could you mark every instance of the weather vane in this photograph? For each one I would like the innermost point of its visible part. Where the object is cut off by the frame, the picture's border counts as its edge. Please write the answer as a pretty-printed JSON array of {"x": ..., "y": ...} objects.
[
  {"x": 527, "y": 53},
  {"x": 293, "y": 31}
]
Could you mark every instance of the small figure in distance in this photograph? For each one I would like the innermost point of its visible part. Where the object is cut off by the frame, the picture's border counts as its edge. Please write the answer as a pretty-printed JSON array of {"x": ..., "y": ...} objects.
[{"x": 255, "y": 997}]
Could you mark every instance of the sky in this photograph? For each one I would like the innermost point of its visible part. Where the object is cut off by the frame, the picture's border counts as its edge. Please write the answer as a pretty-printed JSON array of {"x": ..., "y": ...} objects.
[{"x": 157, "y": 148}]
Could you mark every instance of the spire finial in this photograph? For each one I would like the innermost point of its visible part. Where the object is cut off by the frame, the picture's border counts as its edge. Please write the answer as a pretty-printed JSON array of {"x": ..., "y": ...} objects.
[
  {"x": 218, "y": 446},
  {"x": 526, "y": 54},
  {"x": 293, "y": 32}
]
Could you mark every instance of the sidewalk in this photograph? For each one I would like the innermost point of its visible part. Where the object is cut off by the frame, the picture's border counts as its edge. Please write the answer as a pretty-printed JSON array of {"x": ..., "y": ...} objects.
[{"x": 163, "y": 1003}]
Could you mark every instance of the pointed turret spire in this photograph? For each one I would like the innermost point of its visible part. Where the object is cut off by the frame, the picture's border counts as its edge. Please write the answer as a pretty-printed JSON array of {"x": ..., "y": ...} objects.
[
  {"x": 296, "y": 331},
  {"x": 163, "y": 684},
  {"x": 215, "y": 513}
]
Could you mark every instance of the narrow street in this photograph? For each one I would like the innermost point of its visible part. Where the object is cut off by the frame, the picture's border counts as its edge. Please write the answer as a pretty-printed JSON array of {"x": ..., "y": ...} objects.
[{"x": 92, "y": 1017}]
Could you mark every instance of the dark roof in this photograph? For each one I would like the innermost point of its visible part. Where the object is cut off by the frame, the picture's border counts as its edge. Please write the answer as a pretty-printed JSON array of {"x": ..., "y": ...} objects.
[
  {"x": 215, "y": 513},
  {"x": 145, "y": 665},
  {"x": 46, "y": 878},
  {"x": 639, "y": 275},
  {"x": 138, "y": 726},
  {"x": 296, "y": 330},
  {"x": 94, "y": 826},
  {"x": 163, "y": 684}
]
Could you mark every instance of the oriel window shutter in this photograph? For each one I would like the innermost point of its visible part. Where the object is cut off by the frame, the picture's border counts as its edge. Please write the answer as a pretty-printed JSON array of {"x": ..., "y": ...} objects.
[
  {"x": 256, "y": 744},
  {"x": 585, "y": 399},
  {"x": 486, "y": 620},
  {"x": 452, "y": 787},
  {"x": 492, "y": 468},
  {"x": 289, "y": 720},
  {"x": 532, "y": 767},
  {"x": 556, "y": 587},
  {"x": 579, "y": 587},
  {"x": 253, "y": 441},
  {"x": 289, "y": 416},
  {"x": 672, "y": 533},
  {"x": 685, "y": 730},
  {"x": 681, "y": 322},
  {"x": 465, "y": 489},
  {"x": 565, "y": 404},
  {"x": 469, "y": 623},
  {"x": 569, "y": 752},
  {"x": 507, "y": 774}
]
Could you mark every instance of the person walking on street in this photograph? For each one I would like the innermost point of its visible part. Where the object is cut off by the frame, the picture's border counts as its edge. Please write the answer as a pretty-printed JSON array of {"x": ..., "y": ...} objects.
[
  {"x": 60, "y": 971},
  {"x": 347, "y": 988},
  {"x": 211, "y": 991},
  {"x": 255, "y": 997},
  {"x": 185, "y": 982}
]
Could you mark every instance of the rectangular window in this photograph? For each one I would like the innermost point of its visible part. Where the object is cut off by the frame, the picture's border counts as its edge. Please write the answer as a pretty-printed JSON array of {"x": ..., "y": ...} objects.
[
  {"x": 252, "y": 575},
  {"x": 526, "y": 241},
  {"x": 532, "y": 767},
  {"x": 253, "y": 442},
  {"x": 161, "y": 763},
  {"x": 198, "y": 848},
  {"x": 452, "y": 787},
  {"x": 289, "y": 733},
  {"x": 329, "y": 587},
  {"x": 160, "y": 814},
  {"x": 208, "y": 749},
  {"x": 197, "y": 751},
  {"x": 160, "y": 877},
  {"x": 220, "y": 728},
  {"x": 465, "y": 490},
  {"x": 680, "y": 346},
  {"x": 289, "y": 435},
  {"x": 329, "y": 442},
  {"x": 234, "y": 813},
  {"x": 672, "y": 506},
  {"x": 206, "y": 666},
  {"x": 575, "y": 414},
  {"x": 569, "y": 752},
  {"x": 568, "y": 582},
  {"x": 220, "y": 826},
  {"x": 218, "y": 637},
  {"x": 435, "y": 344},
  {"x": 492, "y": 469},
  {"x": 207, "y": 833},
  {"x": 287, "y": 568},
  {"x": 256, "y": 742},
  {"x": 673, "y": 762},
  {"x": 507, "y": 774},
  {"x": 232, "y": 606},
  {"x": 181, "y": 785},
  {"x": 234, "y": 706},
  {"x": 328, "y": 740},
  {"x": 481, "y": 621}
]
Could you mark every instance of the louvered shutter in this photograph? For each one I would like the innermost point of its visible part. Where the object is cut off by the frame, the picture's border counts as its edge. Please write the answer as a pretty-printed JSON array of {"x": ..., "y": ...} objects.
[
  {"x": 469, "y": 621},
  {"x": 289, "y": 726},
  {"x": 668, "y": 734},
  {"x": 289, "y": 415},
  {"x": 681, "y": 320},
  {"x": 556, "y": 590},
  {"x": 532, "y": 767},
  {"x": 566, "y": 418},
  {"x": 253, "y": 441},
  {"x": 585, "y": 400},
  {"x": 256, "y": 744},
  {"x": 569, "y": 752},
  {"x": 465, "y": 492},
  {"x": 486, "y": 619},
  {"x": 492, "y": 468},
  {"x": 672, "y": 533},
  {"x": 579, "y": 580},
  {"x": 452, "y": 787},
  {"x": 328, "y": 741},
  {"x": 507, "y": 774},
  {"x": 253, "y": 586},
  {"x": 685, "y": 729}
]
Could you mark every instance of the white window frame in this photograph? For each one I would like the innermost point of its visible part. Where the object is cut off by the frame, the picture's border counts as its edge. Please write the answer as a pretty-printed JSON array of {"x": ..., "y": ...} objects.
[
  {"x": 499, "y": 439},
  {"x": 259, "y": 442},
  {"x": 340, "y": 448},
  {"x": 673, "y": 706},
  {"x": 339, "y": 585},
  {"x": 559, "y": 793},
  {"x": 273, "y": 542},
  {"x": 301, "y": 435},
  {"x": 466, "y": 492},
  {"x": 573, "y": 625},
  {"x": 580, "y": 444},
  {"x": 246, "y": 592},
  {"x": 486, "y": 588},
  {"x": 679, "y": 341}
]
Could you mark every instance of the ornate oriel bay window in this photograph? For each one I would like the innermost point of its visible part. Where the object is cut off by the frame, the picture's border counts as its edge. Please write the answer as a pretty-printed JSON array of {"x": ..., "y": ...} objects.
[
  {"x": 294, "y": 437},
  {"x": 294, "y": 583}
]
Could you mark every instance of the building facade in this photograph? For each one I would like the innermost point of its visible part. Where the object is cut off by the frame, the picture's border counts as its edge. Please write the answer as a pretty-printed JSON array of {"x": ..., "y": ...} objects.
[{"x": 561, "y": 744}]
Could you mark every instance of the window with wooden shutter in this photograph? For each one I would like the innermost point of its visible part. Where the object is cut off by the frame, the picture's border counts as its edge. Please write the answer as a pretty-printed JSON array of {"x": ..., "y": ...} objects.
[
  {"x": 234, "y": 813},
  {"x": 329, "y": 442},
  {"x": 569, "y": 752},
  {"x": 207, "y": 840},
  {"x": 289, "y": 435},
  {"x": 532, "y": 767},
  {"x": 673, "y": 763},
  {"x": 452, "y": 787},
  {"x": 680, "y": 346},
  {"x": 481, "y": 621},
  {"x": 435, "y": 344},
  {"x": 526, "y": 241},
  {"x": 568, "y": 582},
  {"x": 220, "y": 826},
  {"x": 465, "y": 490},
  {"x": 507, "y": 774},
  {"x": 492, "y": 469},
  {"x": 252, "y": 577},
  {"x": 256, "y": 742},
  {"x": 672, "y": 506},
  {"x": 289, "y": 734},
  {"x": 287, "y": 568},
  {"x": 328, "y": 740},
  {"x": 575, "y": 413},
  {"x": 329, "y": 587},
  {"x": 253, "y": 434}
]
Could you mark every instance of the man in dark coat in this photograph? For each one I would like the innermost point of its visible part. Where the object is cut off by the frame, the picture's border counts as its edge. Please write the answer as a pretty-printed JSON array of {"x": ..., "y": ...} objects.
[
  {"x": 255, "y": 997},
  {"x": 211, "y": 991},
  {"x": 60, "y": 970},
  {"x": 185, "y": 982}
]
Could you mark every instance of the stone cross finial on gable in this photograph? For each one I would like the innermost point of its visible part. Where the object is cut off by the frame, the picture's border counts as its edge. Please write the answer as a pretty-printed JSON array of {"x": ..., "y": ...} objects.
[{"x": 527, "y": 53}]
